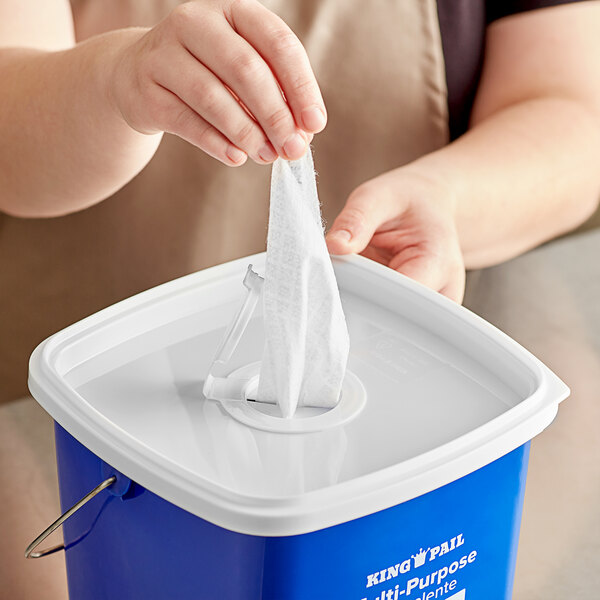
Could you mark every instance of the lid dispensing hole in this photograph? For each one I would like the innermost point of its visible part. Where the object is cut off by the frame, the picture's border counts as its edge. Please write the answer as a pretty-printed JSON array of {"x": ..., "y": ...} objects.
[
  {"x": 237, "y": 391},
  {"x": 266, "y": 416}
]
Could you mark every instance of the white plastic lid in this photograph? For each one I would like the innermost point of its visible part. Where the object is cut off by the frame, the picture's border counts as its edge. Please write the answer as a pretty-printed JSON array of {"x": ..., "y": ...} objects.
[{"x": 446, "y": 393}]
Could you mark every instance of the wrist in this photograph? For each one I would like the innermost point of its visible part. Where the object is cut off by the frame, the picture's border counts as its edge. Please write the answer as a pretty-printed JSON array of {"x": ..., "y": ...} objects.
[
  {"x": 424, "y": 182},
  {"x": 115, "y": 69}
]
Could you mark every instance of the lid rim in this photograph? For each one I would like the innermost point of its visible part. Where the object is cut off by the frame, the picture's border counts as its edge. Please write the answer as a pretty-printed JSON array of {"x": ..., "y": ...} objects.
[{"x": 289, "y": 515}]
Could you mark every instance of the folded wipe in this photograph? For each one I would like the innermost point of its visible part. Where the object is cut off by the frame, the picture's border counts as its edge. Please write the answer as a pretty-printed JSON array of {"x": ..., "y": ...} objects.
[{"x": 306, "y": 339}]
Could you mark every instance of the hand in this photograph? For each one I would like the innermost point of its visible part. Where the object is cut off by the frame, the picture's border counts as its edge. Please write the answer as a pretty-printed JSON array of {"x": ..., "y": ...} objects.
[
  {"x": 213, "y": 73},
  {"x": 404, "y": 220}
]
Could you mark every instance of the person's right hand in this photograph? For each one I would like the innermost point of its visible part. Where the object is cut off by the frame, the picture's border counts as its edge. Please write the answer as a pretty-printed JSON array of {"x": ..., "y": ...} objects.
[{"x": 213, "y": 73}]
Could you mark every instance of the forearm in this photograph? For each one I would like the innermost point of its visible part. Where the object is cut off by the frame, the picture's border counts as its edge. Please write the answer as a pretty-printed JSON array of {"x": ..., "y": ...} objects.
[
  {"x": 525, "y": 172},
  {"x": 64, "y": 145},
  {"x": 521, "y": 176}
]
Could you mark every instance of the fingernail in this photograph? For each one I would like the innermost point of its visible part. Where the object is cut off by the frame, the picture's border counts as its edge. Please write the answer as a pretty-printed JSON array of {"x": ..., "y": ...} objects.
[
  {"x": 235, "y": 155},
  {"x": 267, "y": 153},
  {"x": 294, "y": 146},
  {"x": 313, "y": 119},
  {"x": 308, "y": 137},
  {"x": 341, "y": 235}
]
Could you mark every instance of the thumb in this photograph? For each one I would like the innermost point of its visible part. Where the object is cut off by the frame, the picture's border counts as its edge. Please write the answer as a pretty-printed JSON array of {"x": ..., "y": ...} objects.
[{"x": 367, "y": 208}]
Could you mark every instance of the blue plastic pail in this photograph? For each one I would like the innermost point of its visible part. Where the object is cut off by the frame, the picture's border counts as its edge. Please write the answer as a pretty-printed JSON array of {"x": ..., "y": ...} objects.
[
  {"x": 414, "y": 490},
  {"x": 458, "y": 539}
]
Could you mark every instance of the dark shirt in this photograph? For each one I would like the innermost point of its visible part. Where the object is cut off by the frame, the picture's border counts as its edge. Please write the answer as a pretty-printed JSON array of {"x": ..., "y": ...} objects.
[{"x": 463, "y": 25}]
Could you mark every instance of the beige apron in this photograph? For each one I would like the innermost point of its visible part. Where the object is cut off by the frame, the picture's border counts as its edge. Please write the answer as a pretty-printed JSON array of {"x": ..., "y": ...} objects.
[{"x": 380, "y": 66}]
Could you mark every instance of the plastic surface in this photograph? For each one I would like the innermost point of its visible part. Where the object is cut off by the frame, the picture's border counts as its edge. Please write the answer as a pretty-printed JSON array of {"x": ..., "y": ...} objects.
[
  {"x": 219, "y": 384},
  {"x": 459, "y": 541},
  {"x": 141, "y": 547},
  {"x": 308, "y": 419},
  {"x": 446, "y": 392}
]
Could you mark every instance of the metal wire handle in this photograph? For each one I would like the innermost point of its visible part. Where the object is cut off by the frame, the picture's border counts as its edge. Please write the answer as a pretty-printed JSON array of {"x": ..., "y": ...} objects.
[{"x": 29, "y": 552}]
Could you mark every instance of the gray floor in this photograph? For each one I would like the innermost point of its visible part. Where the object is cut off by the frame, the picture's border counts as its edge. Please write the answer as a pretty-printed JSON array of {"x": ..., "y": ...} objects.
[{"x": 549, "y": 301}]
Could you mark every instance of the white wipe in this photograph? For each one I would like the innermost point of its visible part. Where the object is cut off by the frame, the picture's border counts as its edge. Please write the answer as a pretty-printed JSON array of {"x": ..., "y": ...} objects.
[{"x": 306, "y": 338}]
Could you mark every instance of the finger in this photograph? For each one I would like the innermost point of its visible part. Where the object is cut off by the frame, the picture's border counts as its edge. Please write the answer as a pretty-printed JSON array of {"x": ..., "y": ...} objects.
[
  {"x": 204, "y": 93},
  {"x": 376, "y": 255},
  {"x": 233, "y": 60},
  {"x": 283, "y": 52},
  {"x": 422, "y": 264},
  {"x": 365, "y": 211},
  {"x": 179, "y": 119},
  {"x": 455, "y": 289}
]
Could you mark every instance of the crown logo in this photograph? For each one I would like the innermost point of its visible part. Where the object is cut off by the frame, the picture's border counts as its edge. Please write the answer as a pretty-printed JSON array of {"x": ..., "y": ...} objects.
[{"x": 419, "y": 558}]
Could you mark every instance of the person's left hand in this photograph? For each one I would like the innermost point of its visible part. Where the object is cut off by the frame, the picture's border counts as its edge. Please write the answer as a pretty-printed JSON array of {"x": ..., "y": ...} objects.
[{"x": 404, "y": 220}]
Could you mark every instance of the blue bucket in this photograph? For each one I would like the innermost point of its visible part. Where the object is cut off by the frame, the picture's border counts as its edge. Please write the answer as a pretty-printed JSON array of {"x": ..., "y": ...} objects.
[{"x": 414, "y": 492}]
